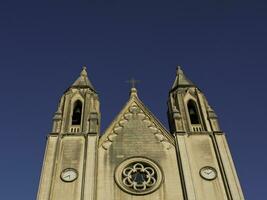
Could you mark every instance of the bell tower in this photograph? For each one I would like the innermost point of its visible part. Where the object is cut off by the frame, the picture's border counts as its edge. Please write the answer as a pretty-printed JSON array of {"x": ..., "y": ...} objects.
[
  {"x": 69, "y": 165},
  {"x": 205, "y": 163}
]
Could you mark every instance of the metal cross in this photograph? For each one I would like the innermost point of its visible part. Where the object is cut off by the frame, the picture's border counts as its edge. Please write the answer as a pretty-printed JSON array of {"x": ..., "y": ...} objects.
[{"x": 133, "y": 82}]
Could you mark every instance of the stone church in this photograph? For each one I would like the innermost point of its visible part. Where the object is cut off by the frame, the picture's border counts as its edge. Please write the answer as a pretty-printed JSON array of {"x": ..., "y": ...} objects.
[{"x": 137, "y": 158}]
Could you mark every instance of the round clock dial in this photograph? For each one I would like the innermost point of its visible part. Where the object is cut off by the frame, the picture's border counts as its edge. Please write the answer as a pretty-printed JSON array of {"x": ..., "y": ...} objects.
[
  {"x": 69, "y": 175},
  {"x": 208, "y": 173}
]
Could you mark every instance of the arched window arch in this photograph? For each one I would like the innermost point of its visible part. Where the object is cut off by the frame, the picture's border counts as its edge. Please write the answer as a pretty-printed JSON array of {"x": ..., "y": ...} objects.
[
  {"x": 77, "y": 113},
  {"x": 193, "y": 113}
]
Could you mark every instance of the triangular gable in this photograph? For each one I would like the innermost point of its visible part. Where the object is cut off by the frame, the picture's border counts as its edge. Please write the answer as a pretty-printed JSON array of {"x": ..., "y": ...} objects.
[{"x": 135, "y": 107}]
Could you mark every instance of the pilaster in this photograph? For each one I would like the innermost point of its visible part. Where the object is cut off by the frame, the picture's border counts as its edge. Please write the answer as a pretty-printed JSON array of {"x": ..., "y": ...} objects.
[
  {"x": 90, "y": 174},
  {"x": 47, "y": 169}
]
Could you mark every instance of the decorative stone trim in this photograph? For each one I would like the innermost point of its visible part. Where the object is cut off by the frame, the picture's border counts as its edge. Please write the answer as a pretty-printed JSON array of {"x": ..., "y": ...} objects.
[{"x": 135, "y": 112}]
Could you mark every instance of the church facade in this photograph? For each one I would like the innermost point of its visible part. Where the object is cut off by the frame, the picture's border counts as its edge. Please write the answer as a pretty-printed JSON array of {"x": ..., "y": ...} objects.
[{"x": 137, "y": 158}]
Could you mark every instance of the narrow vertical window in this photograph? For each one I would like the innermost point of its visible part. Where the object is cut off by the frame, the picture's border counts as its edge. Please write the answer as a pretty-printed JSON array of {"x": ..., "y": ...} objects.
[
  {"x": 193, "y": 113},
  {"x": 77, "y": 113}
]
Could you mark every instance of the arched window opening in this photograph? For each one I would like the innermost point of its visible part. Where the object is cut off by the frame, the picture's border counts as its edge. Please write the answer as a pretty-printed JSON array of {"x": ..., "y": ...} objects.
[
  {"x": 193, "y": 113},
  {"x": 77, "y": 113}
]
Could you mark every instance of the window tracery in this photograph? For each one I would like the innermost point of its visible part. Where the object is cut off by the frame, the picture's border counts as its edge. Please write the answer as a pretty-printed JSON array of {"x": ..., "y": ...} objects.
[{"x": 138, "y": 176}]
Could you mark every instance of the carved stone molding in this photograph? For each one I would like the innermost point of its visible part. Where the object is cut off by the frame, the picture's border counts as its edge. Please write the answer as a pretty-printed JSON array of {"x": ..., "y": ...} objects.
[{"x": 135, "y": 112}]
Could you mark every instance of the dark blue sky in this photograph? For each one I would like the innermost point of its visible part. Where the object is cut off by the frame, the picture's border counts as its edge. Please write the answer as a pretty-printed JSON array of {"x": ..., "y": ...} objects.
[{"x": 220, "y": 44}]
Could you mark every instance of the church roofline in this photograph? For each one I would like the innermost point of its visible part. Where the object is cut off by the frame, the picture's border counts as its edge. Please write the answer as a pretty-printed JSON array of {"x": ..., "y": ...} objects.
[{"x": 134, "y": 99}]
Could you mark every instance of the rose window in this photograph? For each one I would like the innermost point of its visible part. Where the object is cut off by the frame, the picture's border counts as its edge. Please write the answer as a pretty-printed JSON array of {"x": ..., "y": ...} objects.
[{"x": 138, "y": 176}]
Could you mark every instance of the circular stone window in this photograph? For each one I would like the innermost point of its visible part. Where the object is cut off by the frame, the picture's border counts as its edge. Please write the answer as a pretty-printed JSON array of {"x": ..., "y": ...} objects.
[{"x": 138, "y": 176}]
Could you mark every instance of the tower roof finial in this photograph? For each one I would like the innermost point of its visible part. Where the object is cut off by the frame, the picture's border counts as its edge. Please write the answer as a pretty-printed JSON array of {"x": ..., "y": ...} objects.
[
  {"x": 179, "y": 70},
  {"x": 84, "y": 71}
]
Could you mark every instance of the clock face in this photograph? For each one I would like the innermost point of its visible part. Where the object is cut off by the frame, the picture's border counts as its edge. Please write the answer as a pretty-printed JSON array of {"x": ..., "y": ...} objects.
[
  {"x": 69, "y": 175},
  {"x": 208, "y": 173}
]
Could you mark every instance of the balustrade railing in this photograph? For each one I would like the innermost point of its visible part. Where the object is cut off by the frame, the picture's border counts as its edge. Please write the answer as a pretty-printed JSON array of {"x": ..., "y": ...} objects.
[
  {"x": 75, "y": 128},
  {"x": 197, "y": 127}
]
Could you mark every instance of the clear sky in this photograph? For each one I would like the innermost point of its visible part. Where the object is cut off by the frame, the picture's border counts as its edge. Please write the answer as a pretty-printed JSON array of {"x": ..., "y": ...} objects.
[{"x": 221, "y": 45}]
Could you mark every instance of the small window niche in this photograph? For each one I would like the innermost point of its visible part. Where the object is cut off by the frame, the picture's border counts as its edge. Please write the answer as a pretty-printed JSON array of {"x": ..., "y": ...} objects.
[
  {"x": 77, "y": 113},
  {"x": 194, "y": 116},
  {"x": 193, "y": 113}
]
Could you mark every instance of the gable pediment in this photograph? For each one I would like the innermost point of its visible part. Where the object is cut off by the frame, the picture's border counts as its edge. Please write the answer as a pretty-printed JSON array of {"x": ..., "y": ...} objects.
[{"x": 136, "y": 119}]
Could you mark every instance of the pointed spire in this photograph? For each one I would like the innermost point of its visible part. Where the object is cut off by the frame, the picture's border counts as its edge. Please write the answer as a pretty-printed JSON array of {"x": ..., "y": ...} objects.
[
  {"x": 83, "y": 81},
  {"x": 181, "y": 79}
]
